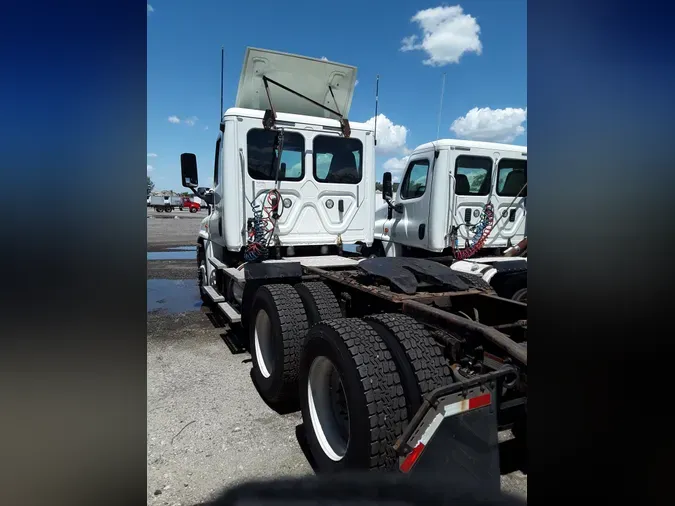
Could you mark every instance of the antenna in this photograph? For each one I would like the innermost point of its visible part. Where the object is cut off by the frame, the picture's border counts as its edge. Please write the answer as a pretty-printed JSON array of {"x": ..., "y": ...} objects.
[
  {"x": 377, "y": 94},
  {"x": 440, "y": 109},
  {"x": 222, "y": 65}
]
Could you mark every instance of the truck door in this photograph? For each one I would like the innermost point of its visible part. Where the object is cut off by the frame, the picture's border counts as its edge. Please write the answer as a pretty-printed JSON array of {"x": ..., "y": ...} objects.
[
  {"x": 410, "y": 227},
  {"x": 509, "y": 199},
  {"x": 214, "y": 219},
  {"x": 472, "y": 188}
]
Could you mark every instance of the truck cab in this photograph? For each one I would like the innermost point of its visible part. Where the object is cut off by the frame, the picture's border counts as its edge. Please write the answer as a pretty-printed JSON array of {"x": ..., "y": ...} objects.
[
  {"x": 292, "y": 177},
  {"x": 446, "y": 189}
]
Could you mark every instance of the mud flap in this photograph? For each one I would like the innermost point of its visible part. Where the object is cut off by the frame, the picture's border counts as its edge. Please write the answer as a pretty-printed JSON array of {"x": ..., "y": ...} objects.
[{"x": 457, "y": 437}]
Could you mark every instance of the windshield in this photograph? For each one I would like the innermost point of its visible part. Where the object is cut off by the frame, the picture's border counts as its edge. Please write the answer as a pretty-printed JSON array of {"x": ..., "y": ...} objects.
[{"x": 337, "y": 159}]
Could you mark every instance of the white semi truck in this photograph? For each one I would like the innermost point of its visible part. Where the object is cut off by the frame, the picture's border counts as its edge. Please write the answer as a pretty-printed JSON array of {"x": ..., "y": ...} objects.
[
  {"x": 396, "y": 363},
  {"x": 462, "y": 202}
]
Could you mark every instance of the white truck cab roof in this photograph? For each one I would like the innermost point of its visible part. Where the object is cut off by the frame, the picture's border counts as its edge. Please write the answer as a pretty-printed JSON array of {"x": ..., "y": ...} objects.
[{"x": 457, "y": 143}]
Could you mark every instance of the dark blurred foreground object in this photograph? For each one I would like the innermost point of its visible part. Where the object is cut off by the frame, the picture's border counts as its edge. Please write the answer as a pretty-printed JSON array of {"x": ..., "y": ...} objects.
[{"x": 362, "y": 489}]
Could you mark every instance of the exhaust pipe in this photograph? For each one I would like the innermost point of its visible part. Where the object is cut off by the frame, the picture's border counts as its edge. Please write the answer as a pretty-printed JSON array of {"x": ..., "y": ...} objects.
[{"x": 517, "y": 249}]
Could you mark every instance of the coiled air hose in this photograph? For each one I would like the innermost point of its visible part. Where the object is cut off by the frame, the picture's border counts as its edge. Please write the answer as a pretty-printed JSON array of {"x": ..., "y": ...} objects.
[{"x": 482, "y": 231}]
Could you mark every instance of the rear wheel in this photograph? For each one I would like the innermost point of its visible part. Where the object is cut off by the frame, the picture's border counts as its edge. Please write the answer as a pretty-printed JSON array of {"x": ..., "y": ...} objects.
[
  {"x": 352, "y": 402},
  {"x": 277, "y": 327},
  {"x": 159, "y": 209},
  {"x": 319, "y": 302},
  {"x": 419, "y": 359},
  {"x": 193, "y": 209},
  {"x": 520, "y": 295}
]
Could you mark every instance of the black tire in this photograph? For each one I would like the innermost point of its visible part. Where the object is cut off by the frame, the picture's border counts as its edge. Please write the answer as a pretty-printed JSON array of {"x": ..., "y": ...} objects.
[
  {"x": 418, "y": 357},
  {"x": 276, "y": 351},
  {"x": 180, "y": 208},
  {"x": 193, "y": 209},
  {"x": 520, "y": 295},
  {"x": 201, "y": 260},
  {"x": 319, "y": 302},
  {"x": 159, "y": 209},
  {"x": 168, "y": 209},
  {"x": 372, "y": 393}
]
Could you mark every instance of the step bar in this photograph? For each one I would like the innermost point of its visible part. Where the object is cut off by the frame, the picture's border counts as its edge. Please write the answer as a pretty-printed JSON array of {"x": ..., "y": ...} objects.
[{"x": 230, "y": 313}]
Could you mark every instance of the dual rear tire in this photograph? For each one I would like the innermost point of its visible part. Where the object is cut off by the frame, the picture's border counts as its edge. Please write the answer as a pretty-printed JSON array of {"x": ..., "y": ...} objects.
[{"x": 358, "y": 381}]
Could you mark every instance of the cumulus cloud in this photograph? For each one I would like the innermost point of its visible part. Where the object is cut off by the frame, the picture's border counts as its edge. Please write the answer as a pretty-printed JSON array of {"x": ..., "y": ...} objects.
[
  {"x": 150, "y": 168},
  {"x": 324, "y": 58},
  {"x": 395, "y": 164},
  {"x": 447, "y": 33},
  {"x": 495, "y": 125},
  {"x": 152, "y": 155},
  {"x": 396, "y": 167},
  {"x": 356, "y": 83},
  {"x": 174, "y": 119},
  {"x": 150, "y": 9},
  {"x": 390, "y": 137},
  {"x": 191, "y": 120}
]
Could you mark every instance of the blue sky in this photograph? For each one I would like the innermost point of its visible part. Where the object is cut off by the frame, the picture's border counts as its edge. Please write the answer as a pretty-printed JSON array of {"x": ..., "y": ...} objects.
[{"x": 481, "y": 46}]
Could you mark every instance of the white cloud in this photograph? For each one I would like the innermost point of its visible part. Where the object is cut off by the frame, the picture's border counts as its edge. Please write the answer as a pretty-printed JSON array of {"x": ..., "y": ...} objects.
[
  {"x": 174, "y": 119},
  {"x": 496, "y": 125},
  {"x": 390, "y": 137},
  {"x": 356, "y": 83},
  {"x": 150, "y": 9},
  {"x": 396, "y": 167},
  {"x": 395, "y": 164},
  {"x": 448, "y": 33},
  {"x": 206, "y": 128},
  {"x": 191, "y": 120},
  {"x": 152, "y": 155},
  {"x": 150, "y": 168},
  {"x": 324, "y": 58}
]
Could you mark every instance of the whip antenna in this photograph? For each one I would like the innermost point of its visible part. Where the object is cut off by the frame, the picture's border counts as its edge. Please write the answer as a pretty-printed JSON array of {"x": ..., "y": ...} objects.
[
  {"x": 440, "y": 109},
  {"x": 222, "y": 65},
  {"x": 377, "y": 94}
]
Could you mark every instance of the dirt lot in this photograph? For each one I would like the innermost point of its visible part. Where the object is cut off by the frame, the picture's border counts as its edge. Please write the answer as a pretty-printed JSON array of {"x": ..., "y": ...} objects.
[{"x": 207, "y": 426}]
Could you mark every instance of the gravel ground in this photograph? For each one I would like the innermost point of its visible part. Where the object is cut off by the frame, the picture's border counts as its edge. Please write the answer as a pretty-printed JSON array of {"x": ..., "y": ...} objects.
[{"x": 207, "y": 426}]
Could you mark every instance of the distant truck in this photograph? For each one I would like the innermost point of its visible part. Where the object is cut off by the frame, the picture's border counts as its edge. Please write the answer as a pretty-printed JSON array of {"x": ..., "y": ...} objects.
[
  {"x": 192, "y": 206},
  {"x": 166, "y": 203}
]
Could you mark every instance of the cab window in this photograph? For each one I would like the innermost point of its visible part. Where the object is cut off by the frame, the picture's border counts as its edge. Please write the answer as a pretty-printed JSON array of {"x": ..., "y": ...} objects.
[
  {"x": 512, "y": 177},
  {"x": 472, "y": 175},
  {"x": 415, "y": 180},
  {"x": 337, "y": 159},
  {"x": 263, "y": 153}
]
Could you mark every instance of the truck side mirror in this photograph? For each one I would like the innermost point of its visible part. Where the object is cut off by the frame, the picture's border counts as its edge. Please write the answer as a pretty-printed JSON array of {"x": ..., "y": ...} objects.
[
  {"x": 387, "y": 190},
  {"x": 188, "y": 170}
]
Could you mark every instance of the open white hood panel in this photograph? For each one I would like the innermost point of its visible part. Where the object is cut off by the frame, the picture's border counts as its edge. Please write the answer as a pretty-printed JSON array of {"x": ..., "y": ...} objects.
[{"x": 308, "y": 76}]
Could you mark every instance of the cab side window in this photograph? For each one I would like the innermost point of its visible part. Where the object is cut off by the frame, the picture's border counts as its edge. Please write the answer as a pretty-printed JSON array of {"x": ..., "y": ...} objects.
[
  {"x": 415, "y": 180},
  {"x": 216, "y": 160}
]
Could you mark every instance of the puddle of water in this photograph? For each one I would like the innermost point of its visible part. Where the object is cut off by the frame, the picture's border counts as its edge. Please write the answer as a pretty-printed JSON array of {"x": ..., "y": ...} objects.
[
  {"x": 183, "y": 248},
  {"x": 173, "y": 295},
  {"x": 171, "y": 255}
]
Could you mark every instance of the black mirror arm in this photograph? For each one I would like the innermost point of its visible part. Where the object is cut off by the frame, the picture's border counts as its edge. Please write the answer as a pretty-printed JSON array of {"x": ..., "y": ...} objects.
[{"x": 395, "y": 207}]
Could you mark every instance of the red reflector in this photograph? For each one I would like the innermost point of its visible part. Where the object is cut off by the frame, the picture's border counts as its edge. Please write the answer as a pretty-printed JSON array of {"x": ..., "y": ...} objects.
[
  {"x": 480, "y": 401},
  {"x": 412, "y": 458}
]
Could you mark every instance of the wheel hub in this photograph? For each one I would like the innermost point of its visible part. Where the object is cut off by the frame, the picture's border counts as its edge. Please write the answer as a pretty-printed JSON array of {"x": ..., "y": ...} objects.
[{"x": 328, "y": 408}]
